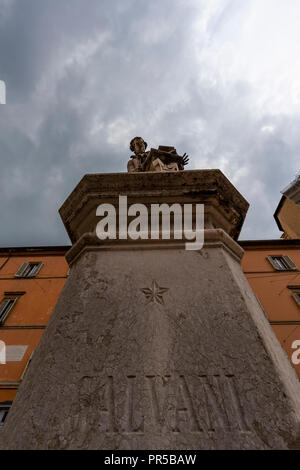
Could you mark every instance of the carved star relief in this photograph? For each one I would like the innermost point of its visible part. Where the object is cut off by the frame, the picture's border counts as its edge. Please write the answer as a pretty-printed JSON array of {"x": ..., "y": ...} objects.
[{"x": 155, "y": 293}]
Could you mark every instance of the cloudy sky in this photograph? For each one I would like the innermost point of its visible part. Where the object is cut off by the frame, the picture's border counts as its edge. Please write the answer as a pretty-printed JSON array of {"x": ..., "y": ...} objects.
[{"x": 218, "y": 79}]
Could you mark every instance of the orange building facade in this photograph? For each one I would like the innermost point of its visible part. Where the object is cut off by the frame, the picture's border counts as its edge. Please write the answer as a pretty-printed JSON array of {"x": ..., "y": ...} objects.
[
  {"x": 31, "y": 280},
  {"x": 272, "y": 268}
]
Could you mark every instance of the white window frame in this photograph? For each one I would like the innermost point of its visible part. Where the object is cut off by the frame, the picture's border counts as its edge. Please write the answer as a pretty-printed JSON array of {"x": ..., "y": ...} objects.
[{"x": 24, "y": 269}]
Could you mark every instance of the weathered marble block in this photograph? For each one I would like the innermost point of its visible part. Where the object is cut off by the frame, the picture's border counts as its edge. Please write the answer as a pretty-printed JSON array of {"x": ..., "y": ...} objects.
[{"x": 151, "y": 346}]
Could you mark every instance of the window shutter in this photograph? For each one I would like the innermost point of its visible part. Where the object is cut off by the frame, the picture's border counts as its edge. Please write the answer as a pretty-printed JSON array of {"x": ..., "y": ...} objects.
[
  {"x": 3, "y": 414},
  {"x": 289, "y": 262},
  {"x": 39, "y": 266},
  {"x": 285, "y": 261},
  {"x": 270, "y": 259},
  {"x": 4, "y": 409},
  {"x": 29, "y": 269},
  {"x": 3, "y": 306},
  {"x": 33, "y": 269},
  {"x": 21, "y": 270},
  {"x": 296, "y": 296}
]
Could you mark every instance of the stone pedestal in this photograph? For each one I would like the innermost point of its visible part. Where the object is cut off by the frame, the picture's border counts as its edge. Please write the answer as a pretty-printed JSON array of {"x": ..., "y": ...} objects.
[{"x": 151, "y": 346}]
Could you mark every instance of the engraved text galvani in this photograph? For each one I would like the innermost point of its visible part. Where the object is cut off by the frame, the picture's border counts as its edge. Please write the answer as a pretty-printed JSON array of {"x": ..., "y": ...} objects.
[{"x": 175, "y": 403}]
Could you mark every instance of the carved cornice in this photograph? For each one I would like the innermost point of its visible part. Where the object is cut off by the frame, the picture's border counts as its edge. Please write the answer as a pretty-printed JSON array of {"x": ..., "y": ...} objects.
[
  {"x": 209, "y": 187},
  {"x": 213, "y": 238}
]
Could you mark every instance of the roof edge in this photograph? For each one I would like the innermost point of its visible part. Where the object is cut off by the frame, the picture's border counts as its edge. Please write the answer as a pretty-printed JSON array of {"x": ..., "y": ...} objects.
[{"x": 31, "y": 249}]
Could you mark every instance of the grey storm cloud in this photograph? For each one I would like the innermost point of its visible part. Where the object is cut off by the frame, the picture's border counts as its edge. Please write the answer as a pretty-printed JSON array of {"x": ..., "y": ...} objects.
[{"x": 84, "y": 77}]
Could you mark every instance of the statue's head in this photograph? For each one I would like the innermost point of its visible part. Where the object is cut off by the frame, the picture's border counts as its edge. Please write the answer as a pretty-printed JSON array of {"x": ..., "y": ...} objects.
[{"x": 138, "y": 145}]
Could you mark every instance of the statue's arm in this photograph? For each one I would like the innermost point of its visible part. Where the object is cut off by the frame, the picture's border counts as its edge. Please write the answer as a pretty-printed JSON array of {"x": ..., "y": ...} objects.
[
  {"x": 133, "y": 165},
  {"x": 172, "y": 156}
]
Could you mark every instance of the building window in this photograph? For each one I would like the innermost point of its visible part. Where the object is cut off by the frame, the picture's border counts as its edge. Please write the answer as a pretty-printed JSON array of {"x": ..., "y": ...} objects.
[
  {"x": 4, "y": 409},
  {"x": 296, "y": 296},
  {"x": 6, "y": 306},
  {"x": 282, "y": 263},
  {"x": 29, "y": 269}
]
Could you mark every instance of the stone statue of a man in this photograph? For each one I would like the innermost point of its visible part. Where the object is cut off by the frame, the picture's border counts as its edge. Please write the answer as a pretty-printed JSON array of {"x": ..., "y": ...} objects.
[{"x": 161, "y": 159}]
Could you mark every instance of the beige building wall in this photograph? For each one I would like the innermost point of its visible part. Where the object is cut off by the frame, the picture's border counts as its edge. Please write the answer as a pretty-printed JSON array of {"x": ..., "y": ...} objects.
[{"x": 289, "y": 217}]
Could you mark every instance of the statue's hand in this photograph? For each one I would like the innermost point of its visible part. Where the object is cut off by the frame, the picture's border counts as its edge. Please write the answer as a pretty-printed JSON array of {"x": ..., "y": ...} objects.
[{"x": 185, "y": 159}]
